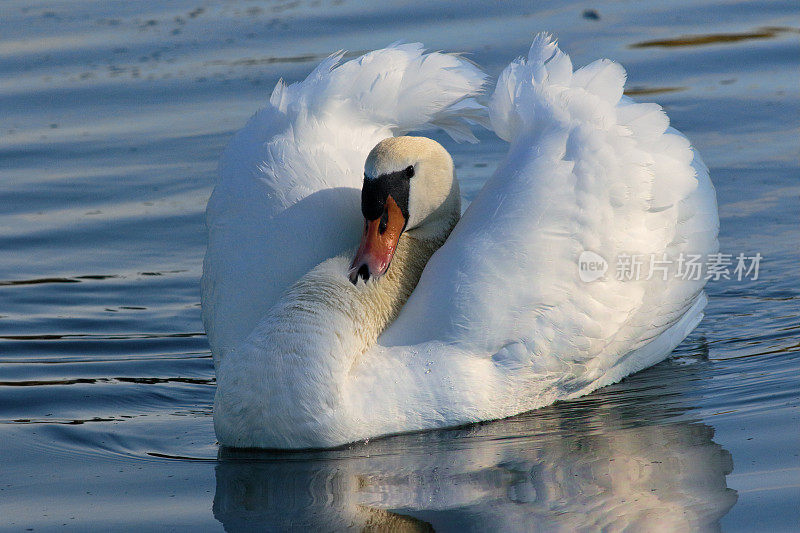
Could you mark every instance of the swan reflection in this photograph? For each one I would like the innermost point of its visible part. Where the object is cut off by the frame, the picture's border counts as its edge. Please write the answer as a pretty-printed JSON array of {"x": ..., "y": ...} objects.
[{"x": 614, "y": 460}]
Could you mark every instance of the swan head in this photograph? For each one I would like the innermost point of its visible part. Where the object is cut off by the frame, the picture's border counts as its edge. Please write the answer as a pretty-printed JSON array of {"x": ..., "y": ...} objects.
[{"x": 409, "y": 187}]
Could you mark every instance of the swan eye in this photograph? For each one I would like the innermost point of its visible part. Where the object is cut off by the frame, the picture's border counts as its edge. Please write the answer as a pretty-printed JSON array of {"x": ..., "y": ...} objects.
[{"x": 410, "y": 171}]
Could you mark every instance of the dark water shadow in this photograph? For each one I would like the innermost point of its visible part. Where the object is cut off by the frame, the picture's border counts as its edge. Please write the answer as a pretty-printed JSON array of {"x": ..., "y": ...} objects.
[
  {"x": 623, "y": 458},
  {"x": 715, "y": 38},
  {"x": 642, "y": 91}
]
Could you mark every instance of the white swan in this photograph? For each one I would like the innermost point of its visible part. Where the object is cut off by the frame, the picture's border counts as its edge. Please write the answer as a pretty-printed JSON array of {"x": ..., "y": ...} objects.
[{"x": 500, "y": 321}]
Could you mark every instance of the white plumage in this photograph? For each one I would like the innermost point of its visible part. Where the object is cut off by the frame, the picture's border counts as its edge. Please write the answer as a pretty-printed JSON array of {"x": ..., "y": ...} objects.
[
  {"x": 304, "y": 153},
  {"x": 500, "y": 321}
]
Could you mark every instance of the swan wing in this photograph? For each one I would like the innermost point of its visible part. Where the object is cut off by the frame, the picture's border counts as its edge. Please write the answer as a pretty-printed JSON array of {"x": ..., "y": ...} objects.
[
  {"x": 590, "y": 175},
  {"x": 288, "y": 192}
]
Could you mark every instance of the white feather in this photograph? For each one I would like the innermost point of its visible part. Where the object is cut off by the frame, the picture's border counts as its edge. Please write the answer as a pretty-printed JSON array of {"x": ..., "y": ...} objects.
[
  {"x": 500, "y": 321},
  {"x": 289, "y": 186}
]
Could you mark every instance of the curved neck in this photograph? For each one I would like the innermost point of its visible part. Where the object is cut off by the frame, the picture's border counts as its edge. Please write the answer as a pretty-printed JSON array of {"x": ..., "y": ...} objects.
[
  {"x": 383, "y": 299},
  {"x": 325, "y": 313},
  {"x": 292, "y": 372}
]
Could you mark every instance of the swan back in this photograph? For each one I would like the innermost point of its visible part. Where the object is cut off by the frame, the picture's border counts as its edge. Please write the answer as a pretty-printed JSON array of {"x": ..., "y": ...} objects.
[{"x": 587, "y": 170}]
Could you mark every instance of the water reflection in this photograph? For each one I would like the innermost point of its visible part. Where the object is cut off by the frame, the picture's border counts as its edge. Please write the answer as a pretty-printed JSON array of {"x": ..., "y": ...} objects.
[{"x": 615, "y": 460}]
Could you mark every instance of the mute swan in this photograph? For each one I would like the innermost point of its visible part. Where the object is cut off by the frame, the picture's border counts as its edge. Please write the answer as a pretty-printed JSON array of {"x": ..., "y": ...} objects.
[{"x": 314, "y": 342}]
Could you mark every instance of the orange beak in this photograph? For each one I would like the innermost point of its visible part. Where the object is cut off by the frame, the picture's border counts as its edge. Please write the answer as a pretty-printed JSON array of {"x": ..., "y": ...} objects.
[{"x": 378, "y": 243}]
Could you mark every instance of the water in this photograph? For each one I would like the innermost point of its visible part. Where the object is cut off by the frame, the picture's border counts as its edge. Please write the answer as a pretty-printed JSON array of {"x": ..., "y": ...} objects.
[{"x": 112, "y": 117}]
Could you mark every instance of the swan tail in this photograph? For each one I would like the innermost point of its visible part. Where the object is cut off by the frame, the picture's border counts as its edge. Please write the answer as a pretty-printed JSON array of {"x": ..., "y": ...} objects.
[
  {"x": 543, "y": 87},
  {"x": 400, "y": 86}
]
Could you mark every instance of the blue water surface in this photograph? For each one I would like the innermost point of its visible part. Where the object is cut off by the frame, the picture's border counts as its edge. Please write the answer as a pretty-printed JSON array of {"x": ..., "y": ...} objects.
[{"x": 112, "y": 117}]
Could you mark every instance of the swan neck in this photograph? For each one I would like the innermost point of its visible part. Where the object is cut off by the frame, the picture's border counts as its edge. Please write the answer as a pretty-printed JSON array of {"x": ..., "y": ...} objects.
[{"x": 293, "y": 370}]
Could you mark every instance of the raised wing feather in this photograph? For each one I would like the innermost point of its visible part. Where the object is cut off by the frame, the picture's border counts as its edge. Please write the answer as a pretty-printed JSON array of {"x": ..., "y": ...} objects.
[
  {"x": 289, "y": 182},
  {"x": 588, "y": 170}
]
